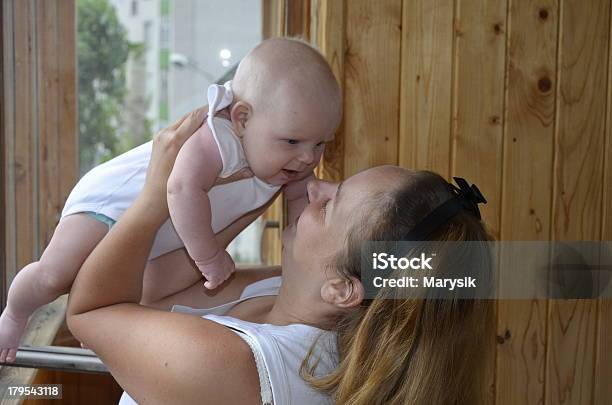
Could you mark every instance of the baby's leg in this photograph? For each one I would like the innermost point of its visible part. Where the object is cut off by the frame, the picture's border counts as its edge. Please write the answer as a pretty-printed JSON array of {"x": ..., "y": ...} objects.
[{"x": 43, "y": 281}]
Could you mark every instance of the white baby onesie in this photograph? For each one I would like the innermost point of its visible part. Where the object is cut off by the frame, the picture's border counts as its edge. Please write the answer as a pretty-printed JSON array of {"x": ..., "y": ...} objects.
[{"x": 111, "y": 187}]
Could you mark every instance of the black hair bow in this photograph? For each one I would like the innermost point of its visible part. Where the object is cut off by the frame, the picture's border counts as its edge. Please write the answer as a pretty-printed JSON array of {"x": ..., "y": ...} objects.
[
  {"x": 468, "y": 196},
  {"x": 464, "y": 197}
]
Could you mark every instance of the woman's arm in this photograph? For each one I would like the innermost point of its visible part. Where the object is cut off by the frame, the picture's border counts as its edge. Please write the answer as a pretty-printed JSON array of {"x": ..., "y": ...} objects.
[
  {"x": 156, "y": 356},
  {"x": 225, "y": 236}
]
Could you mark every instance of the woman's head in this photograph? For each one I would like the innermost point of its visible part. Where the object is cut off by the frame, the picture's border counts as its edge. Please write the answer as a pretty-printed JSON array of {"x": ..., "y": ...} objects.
[
  {"x": 392, "y": 350},
  {"x": 336, "y": 213}
]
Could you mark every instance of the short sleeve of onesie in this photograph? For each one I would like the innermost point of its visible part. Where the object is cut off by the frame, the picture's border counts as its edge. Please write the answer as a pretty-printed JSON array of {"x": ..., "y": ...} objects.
[{"x": 230, "y": 147}]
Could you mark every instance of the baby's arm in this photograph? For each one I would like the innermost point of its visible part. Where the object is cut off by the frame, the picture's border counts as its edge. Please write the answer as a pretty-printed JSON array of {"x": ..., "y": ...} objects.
[
  {"x": 296, "y": 195},
  {"x": 196, "y": 168}
]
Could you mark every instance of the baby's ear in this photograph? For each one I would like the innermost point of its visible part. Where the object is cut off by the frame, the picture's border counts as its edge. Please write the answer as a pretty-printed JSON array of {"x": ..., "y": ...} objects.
[{"x": 240, "y": 114}]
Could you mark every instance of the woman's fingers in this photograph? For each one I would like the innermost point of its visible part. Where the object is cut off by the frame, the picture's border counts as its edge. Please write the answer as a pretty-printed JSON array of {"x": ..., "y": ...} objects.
[
  {"x": 190, "y": 124},
  {"x": 178, "y": 123}
]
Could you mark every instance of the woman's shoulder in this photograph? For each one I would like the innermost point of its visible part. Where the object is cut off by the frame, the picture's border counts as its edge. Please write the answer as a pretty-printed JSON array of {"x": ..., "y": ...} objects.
[
  {"x": 216, "y": 363},
  {"x": 283, "y": 350},
  {"x": 194, "y": 357}
]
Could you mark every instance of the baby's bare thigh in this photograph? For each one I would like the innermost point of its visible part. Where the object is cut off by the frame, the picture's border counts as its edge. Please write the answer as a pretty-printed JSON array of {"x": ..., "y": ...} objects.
[
  {"x": 169, "y": 274},
  {"x": 74, "y": 238}
]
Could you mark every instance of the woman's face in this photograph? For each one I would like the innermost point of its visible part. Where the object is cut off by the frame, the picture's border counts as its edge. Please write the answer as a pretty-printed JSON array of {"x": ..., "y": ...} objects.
[{"x": 334, "y": 209}]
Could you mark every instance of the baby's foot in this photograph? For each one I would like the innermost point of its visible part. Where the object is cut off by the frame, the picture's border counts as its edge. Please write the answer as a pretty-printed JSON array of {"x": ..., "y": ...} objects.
[{"x": 11, "y": 330}]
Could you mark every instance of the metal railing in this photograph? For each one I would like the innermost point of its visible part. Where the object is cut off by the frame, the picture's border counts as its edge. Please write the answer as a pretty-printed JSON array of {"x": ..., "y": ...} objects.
[{"x": 58, "y": 358}]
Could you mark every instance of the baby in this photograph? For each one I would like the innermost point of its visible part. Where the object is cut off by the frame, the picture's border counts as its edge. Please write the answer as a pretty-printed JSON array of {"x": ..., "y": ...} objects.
[{"x": 283, "y": 105}]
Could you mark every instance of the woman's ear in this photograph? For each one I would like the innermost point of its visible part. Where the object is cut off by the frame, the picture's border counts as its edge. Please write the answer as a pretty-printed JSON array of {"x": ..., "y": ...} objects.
[
  {"x": 342, "y": 292},
  {"x": 240, "y": 114}
]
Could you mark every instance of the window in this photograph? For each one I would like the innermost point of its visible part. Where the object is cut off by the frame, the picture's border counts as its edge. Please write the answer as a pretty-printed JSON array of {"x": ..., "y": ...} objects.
[
  {"x": 122, "y": 101},
  {"x": 166, "y": 55}
]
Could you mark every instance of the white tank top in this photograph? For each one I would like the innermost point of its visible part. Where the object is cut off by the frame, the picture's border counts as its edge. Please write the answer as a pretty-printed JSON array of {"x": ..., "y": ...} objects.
[
  {"x": 278, "y": 350},
  {"x": 111, "y": 188}
]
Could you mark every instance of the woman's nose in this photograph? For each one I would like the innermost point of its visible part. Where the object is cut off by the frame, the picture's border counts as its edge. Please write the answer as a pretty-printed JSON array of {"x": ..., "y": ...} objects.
[{"x": 318, "y": 189}]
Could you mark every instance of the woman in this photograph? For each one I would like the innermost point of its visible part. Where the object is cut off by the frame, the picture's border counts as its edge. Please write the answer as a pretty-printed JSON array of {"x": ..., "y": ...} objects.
[{"x": 386, "y": 351}]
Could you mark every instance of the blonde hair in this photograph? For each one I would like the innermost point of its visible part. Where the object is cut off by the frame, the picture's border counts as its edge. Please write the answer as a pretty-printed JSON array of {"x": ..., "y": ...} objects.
[{"x": 410, "y": 351}]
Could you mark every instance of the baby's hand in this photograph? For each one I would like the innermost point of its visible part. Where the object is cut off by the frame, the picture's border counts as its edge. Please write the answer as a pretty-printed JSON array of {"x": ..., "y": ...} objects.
[{"x": 217, "y": 269}]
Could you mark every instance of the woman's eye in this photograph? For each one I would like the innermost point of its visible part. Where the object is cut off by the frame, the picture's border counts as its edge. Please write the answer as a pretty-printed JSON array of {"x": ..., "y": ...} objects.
[
  {"x": 292, "y": 141},
  {"x": 320, "y": 144}
]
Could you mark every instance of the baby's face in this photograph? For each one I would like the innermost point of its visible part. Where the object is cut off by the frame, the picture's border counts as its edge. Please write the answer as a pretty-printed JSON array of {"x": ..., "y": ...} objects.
[{"x": 284, "y": 146}]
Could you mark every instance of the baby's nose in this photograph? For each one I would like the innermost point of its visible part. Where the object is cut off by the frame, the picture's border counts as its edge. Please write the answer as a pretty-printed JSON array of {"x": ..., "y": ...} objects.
[{"x": 306, "y": 157}]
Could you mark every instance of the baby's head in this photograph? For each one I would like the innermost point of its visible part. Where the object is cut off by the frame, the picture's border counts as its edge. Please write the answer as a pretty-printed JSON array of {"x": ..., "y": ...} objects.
[{"x": 287, "y": 105}]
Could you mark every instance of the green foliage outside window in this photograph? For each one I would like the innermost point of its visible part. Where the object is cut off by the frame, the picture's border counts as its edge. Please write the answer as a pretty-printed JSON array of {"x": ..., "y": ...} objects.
[{"x": 103, "y": 50}]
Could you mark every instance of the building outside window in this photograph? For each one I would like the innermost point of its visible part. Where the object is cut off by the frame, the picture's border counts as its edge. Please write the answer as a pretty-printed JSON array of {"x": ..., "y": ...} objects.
[{"x": 175, "y": 50}]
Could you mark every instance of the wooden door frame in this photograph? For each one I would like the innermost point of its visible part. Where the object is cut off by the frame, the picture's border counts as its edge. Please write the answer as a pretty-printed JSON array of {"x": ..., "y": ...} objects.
[{"x": 3, "y": 281}]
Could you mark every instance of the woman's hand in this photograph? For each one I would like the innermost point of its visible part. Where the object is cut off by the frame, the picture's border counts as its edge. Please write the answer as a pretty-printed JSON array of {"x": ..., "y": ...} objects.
[{"x": 166, "y": 145}]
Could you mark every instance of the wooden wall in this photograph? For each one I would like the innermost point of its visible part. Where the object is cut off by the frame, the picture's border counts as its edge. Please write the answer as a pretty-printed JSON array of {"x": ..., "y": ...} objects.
[
  {"x": 40, "y": 155},
  {"x": 516, "y": 96}
]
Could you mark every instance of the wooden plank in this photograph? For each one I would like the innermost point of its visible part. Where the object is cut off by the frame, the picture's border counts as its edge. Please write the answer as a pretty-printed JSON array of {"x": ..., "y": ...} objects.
[
  {"x": 48, "y": 97},
  {"x": 480, "y": 44},
  {"x": 328, "y": 32},
  {"x": 425, "y": 110},
  {"x": 478, "y": 108},
  {"x": 5, "y": 109},
  {"x": 577, "y": 195},
  {"x": 68, "y": 153},
  {"x": 79, "y": 388},
  {"x": 298, "y": 19},
  {"x": 603, "y": 353},
  {"x": 24, "y": 156},
  {"x": 271, "y": 245},
  {"x": 527, "y": 189},
  {"x": 273, "y": 26},
  {"x": 273, "y": 16},
  {"x": 372, "y": 80},
  {"x": 10, "y": 93}
]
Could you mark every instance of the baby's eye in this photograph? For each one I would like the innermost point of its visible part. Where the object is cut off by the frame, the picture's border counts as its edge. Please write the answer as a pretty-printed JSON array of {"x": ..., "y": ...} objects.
[{"x": 292, "y": 141}]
